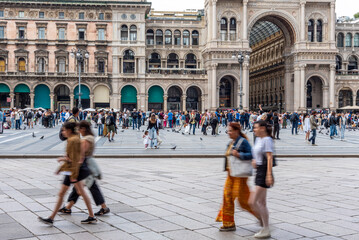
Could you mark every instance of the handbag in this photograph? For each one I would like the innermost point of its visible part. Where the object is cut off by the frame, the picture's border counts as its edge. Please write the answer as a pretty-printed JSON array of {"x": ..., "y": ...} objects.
[{"x": 238, "y": 167}]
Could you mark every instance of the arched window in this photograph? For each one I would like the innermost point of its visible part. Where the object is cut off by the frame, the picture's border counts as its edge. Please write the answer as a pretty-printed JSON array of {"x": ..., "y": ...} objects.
[
  {"x": 319, "y": 31},
  {"x": 101, "y": 66},
  {"x": 124, "y": 33},
  {"x": 186, "y": 38},
  {"x": 159, "y": 37},
  {"x": 128, "y": 61},
  {"x": 41, "y": 65},
  {"x": 191, "y": 61},
  {"x": 353, "y": 63},
  {"x": 150, "y": 37},
  {"x": 172, "y": 61},
  {"x": 340, "y": 40},
  {"x": 155, "y": 61},
  {"x": 2, "y": 65},
  {"x": 233, "y": 29},
  {"x": 195, "y": 38},
  {"x": 168, "y": 37},
  {"x": 21, "y": 65},
  {"x": 61, "y": 65},
  {"x": 177, "y": 38},
  {"x": 311, "y": 30},
  {"x": 339, "y": 62},
  {"x": 224, "y": 29},
  {"x": 348, "y": 40},
  {"x": 133, "y": 33},
  {"x": 356, "y": 40}
]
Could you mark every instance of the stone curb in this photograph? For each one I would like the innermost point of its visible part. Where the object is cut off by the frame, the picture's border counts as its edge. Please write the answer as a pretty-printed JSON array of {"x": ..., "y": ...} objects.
[{"x": 28, "y": 156}]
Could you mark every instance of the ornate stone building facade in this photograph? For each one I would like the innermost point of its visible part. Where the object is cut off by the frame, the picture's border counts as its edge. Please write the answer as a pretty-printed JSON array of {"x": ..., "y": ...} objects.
[
  {"x": 36, "y": 67},
  {"x": 300, "y": 58}
]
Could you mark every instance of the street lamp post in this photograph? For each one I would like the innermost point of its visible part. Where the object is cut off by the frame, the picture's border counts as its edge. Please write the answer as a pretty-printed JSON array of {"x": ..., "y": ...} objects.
[
  {"x": 80, "y": 56},
  {"x": 241, "y": 57}
]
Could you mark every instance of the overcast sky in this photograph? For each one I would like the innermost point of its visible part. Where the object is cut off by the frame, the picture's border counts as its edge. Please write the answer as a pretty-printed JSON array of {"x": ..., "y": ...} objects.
[{"x": 344, "y": 7}]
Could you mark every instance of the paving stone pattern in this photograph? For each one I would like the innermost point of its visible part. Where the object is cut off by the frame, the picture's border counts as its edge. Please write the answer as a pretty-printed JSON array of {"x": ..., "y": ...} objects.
[{"x": 159, "y": 199}]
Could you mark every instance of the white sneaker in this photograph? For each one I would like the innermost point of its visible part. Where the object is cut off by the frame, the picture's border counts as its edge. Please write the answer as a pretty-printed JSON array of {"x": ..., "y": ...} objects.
[{"x": 264, "y": 233}]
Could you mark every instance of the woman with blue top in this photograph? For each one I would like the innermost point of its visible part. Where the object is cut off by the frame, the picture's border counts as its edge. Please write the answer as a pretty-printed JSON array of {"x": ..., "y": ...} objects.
[{"x": 235, "y": 187}]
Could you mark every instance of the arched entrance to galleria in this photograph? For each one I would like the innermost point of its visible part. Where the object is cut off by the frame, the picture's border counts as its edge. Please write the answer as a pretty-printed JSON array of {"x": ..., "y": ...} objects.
[{"x": 271, "y": 39}]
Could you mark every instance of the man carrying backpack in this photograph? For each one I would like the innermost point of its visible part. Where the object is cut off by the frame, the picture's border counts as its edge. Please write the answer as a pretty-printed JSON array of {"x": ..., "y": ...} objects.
[
  {"x": 294, "y": 119},
  {"x": 134, "y": 116},
  {"x": 110, "y": 123}
]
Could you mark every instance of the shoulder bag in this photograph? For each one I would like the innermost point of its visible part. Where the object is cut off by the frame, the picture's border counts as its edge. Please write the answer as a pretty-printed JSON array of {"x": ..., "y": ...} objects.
[{"x": 238, "y": 167}]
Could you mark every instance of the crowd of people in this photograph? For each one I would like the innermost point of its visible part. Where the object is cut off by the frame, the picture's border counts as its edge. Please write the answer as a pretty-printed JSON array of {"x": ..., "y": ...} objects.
[{"x": 110, "y": 120}]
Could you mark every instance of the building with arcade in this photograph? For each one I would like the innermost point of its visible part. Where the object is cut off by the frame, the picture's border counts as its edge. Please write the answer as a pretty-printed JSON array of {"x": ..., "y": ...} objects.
[{"x": 296, "y": 55}]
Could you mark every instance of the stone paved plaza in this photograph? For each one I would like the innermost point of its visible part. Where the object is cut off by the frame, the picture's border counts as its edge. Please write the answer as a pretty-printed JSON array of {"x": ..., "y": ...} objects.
[
  {"x": 129, "y": 142},
  {"x": 179, "y": 199}
]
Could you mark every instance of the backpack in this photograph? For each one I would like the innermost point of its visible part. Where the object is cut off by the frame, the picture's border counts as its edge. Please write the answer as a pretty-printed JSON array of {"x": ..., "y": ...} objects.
[
  {"x": 108, "y": 121},
  {"x": 293, "y": 117}
]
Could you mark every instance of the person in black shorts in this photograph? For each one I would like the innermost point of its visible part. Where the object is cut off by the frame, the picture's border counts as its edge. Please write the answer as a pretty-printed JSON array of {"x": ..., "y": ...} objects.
[
  {"x": 263, "y": 161},
  {"x": 75, "y": 170}
]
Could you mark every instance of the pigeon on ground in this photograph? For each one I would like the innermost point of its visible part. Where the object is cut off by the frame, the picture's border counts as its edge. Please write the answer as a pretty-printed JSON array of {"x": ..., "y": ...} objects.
[
  {"x": 42, "y": 137},
  {"x": 33, "y": 134},
  {"x": 220, "y": 131},
  {"x": 168, "y": 130},
  {"x": 182, "y": 133},
  {"x": 24, "y": 128},
  {"x": 143, "y": 130},
  {"x": 226, "y": 131},
  {"x": 201, "y": 139},
  {"x": 174, "y": 148},
  {"x": 122, "y": 130}
]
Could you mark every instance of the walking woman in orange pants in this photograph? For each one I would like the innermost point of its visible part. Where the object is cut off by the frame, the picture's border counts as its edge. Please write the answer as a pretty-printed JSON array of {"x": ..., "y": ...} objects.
[{"x": 235, "y": 187}]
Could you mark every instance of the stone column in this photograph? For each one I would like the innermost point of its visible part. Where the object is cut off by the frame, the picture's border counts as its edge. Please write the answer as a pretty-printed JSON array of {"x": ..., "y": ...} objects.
[
  {"x": 202, "y": 103},
  {"x": 288, "y": 93},
  {"x": 214, "y": 20},
  {"x": 302, "y": 87},
  {"x": 71, "y": 101},
  {"x": 119, "y": 106},
  {"x": 146, "y": 103},
  {"x": 303, "y": 25},
  {"x": 32, "y": 96},
  {"x": 245, "y": 77},
  {"x": 184, "y": 98},
  {"x": 91, "y": 101},
  {"x": 296, "y": 101},
  {"x": 214, "y": 86},
  {"x": 354, "y": 98},
  {"x": 138, "y": 101},
  {"x": 165, "y": 98},
  {"x": 209, "y": 18},
  {"x": 332, "y": 87},
  {"x": 244, "y": 21},
  {"x": 52, "y": 95},
  {"x": 326, "y": 97},
  {"x": 12, "y": 103},
  {"x": 332, "y": 22}
]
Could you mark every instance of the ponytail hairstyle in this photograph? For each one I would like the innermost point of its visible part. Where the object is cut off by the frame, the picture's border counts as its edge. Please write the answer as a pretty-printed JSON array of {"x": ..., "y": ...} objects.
[
  {"x": 237, "y": 127},
  {"x": 268, "y": 127}
]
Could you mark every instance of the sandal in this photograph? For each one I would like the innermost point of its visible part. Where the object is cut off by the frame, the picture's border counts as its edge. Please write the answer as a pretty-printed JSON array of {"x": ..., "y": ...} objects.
[{"x": 65, "y": 210}]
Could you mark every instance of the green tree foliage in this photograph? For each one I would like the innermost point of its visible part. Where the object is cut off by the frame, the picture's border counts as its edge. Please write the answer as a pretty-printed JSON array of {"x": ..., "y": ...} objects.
[{"x": 356, "y": 16}]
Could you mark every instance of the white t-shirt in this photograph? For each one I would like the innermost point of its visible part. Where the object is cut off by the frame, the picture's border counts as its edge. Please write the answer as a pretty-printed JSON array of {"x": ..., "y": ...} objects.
[
  {"x": 99, "y": 119},
  {"x": 261, "y": 146}
]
